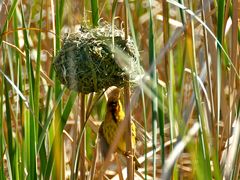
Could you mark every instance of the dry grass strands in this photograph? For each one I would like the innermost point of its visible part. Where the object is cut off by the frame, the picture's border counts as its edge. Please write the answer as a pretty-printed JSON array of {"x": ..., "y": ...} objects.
[{"x": 87, "y": 61}]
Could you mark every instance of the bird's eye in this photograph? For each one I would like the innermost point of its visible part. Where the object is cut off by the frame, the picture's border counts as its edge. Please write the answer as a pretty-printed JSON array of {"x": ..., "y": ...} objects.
[{"x": 113, "y": 103}]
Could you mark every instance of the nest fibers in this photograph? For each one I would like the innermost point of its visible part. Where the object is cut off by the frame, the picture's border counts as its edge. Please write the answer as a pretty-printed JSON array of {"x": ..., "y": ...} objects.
[{"x": 89, "y": 61}]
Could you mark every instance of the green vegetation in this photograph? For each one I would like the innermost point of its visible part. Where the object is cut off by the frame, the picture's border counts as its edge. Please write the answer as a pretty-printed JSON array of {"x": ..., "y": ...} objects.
[{"x": 187, "y": 96}]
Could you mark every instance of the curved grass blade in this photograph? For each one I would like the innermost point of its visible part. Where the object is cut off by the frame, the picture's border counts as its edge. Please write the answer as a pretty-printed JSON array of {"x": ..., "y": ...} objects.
[
  {"x": 9, "y": 16},
  {"x": 95, "y": 16},
  {"x": 153, "y": 75},
  {"x": 49, "y": 121},
  {"x": 210, "y": 32},
  {"x": 178, "y": 149},
  {"x": 61, "y": 125},
  {"x": 16, "y": 89}
]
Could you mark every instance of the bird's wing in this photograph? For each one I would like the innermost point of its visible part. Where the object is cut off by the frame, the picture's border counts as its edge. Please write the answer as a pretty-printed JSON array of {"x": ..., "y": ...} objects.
[{"x": 141, "y": 132}]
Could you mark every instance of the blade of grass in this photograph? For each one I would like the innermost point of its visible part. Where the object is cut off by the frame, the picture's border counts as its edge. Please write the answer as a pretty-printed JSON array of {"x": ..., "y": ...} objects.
[
  {"x": 12, "y": 156},
  {"x": 190, "y": 12},
  {"x": 165, "y": 33},
  {"x": 232, "y": 156},
  {"x": 37, "y": 71},
  {"x": 153, "y": 75},
  {"x": 30, "y": 130},
  {"x": 2, "y": 148},
  {"x": 58, "y": 155},
  {"x": 182, "y": 13},
  {"x": 9, "y": 140},
  {"x": 210, "y": 87},
  {"x": 114, "y": 8},
  {"x": 220, "y": 24},
  {"x": 234, "y": 54},
  {"x": 9, "y": 16},
  {"x": 178, "y": 149},
  {"x": 59, "y": 15},
  {"x": 172, "y": 108},
  {"x": 49, "y": 121},
  {"x": 19, "y": 108},
  {"x": 83, "y": 140},
  {"x": 95, "y": 16},
  {"x": 16, "y": 89},
  {"x": 64, "y": 117},
  {"x": 145, "y": 128},
  {"x": 203, "y": 134},
  {"x": 161, "y": 119}
]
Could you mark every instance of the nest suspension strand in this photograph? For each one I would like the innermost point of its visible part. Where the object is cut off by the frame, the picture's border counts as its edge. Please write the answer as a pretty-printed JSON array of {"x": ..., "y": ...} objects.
[{"x": 86, "y": 63}]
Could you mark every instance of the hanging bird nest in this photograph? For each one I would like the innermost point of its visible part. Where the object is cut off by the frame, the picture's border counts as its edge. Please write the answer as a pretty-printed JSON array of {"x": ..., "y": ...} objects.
[{"x": 92, "y": 60}]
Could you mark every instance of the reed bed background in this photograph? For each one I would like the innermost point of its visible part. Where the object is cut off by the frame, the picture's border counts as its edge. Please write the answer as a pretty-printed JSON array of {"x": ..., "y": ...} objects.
[{"x": 187, "y": 99}]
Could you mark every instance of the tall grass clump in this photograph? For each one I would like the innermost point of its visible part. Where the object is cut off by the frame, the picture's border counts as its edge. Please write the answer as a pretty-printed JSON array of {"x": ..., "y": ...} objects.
[{"x": 184, "y": 98}]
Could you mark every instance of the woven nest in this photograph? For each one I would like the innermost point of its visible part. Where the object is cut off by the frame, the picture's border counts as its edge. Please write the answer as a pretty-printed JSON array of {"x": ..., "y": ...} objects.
[{"x": 87, "y": 62}]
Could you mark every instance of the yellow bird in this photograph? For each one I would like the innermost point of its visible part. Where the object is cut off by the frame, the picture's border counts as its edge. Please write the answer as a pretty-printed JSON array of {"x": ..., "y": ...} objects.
[{"x": 114, "y": 116}]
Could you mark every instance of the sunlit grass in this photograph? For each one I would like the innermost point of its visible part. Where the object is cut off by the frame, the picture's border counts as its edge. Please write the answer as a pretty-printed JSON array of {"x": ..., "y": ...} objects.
[{"x": 187, "y": 97}]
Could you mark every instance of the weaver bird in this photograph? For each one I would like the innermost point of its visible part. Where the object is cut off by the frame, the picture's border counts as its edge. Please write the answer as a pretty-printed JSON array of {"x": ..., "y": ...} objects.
[{"x": 114, "y": 116}]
